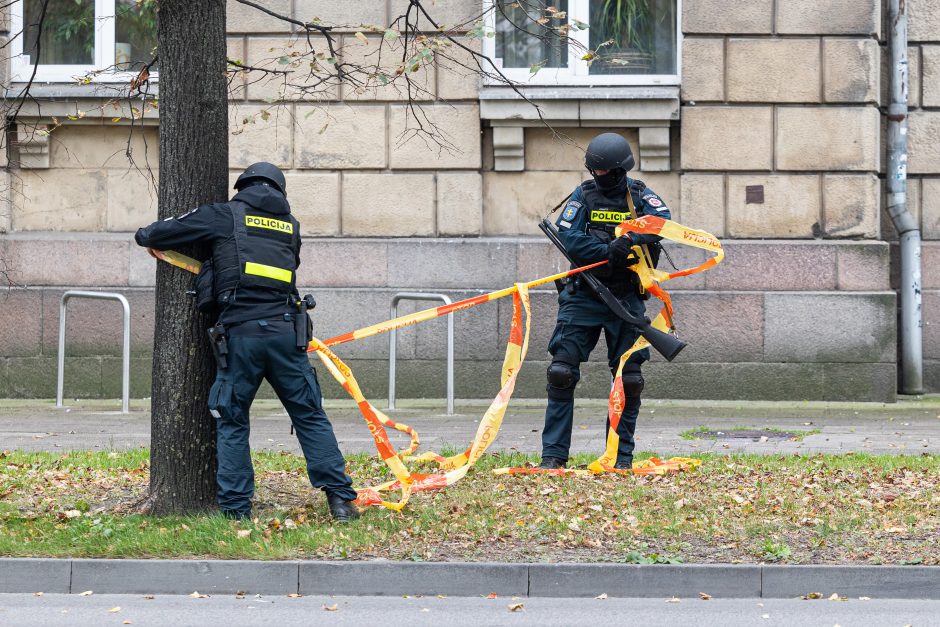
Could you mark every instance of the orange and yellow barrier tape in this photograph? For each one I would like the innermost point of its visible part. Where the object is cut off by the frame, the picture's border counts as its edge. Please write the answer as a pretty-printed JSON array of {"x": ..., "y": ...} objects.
[{"x": 456, "y": 467}]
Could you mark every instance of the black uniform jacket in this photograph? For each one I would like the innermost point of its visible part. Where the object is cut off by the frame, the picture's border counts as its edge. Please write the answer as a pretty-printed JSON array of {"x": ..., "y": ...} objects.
[{"x": 212, "y": 224}]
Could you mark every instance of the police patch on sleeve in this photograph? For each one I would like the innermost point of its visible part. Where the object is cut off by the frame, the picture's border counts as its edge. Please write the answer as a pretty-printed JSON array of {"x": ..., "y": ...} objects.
[
  {"x": 653, "y": 200},
  {"x": 571, "y": 210}
]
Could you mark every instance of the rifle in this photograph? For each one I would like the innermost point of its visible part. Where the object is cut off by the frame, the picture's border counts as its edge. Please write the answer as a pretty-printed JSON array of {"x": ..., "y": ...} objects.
[{"x": 667, "y": 345}]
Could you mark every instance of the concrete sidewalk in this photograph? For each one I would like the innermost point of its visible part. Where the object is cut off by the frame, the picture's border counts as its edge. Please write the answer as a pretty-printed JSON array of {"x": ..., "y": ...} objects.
[{"x": 907, "y": 427}]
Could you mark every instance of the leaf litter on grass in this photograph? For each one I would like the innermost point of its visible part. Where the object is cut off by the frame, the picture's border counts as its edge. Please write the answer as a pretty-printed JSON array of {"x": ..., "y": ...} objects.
[{"x": 788, "y": 509}]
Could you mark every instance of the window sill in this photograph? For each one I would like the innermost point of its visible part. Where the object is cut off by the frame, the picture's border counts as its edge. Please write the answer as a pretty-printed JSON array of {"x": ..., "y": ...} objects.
[
  {"x": 97, "y": 89},
  {"x": 649, "y": 108}
]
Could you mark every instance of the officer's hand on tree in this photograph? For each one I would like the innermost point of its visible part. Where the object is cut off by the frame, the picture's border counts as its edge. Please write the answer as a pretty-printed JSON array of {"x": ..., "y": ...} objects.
[{"x": 620, "y": 252}]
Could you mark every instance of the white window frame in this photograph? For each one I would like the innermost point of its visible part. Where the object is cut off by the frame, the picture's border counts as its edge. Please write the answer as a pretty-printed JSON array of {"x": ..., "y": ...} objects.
[
  {"x": 21, "y": 69},
  {"x": 577, "y": 73}
]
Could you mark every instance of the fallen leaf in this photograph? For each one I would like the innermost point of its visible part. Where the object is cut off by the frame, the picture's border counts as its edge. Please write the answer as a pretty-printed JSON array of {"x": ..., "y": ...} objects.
[
  {"x": 86, "y": 593},
  {"x": 243, "y": 533},
  {"x": 331, "y": 608},
  {"x": 294, "y": 595},
  {"x": 674, "y": 600},
  {"x": 361, "y": 37},
  {"x": 812, "y": 595},
  {"x": 703, "y": 596},
  {"x": 149, "y": 597},
  {"x": 73, "y": 513},
  {"x": 491, "y": 595},
  {"x": 196, "y": 595},
  {"x": 38, "y": 594},
  {"x": 125, "y": 622},
  {"x": 116, "y": 608},
  {"x": 864, "y": 598},
  {"x": 601, "y": 596},
  {"x": 835, "y": 597},
  {"x": 516, "y": 607}
]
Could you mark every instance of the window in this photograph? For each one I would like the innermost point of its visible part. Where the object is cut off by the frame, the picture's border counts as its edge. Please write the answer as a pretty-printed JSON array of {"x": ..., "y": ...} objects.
[
  {"x": 637, "y": 41},
  {"x": 71, "y": 38}
]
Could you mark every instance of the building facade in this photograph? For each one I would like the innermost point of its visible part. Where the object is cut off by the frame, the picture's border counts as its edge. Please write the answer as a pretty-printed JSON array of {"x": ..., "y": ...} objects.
[{"x": 761, "y": 123}]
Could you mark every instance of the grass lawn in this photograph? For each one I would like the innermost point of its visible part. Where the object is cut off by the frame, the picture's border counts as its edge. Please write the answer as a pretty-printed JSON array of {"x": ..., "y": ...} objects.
[{"x": 739, "y": 508}]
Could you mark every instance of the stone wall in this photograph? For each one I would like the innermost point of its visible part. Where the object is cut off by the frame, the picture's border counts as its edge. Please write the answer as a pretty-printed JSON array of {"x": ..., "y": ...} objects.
[
  {"x": 779, "y": 151},
  {"x": 924, "y": 168},
  {"x": 358, "y": 154},
  {"x": 764, "y": 324}
]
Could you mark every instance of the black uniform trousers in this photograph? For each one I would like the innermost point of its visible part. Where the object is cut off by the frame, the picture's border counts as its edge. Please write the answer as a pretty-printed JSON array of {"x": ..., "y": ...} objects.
[
  {"x": 266, "y": 349},
  {"x": 581, "y": 318}
]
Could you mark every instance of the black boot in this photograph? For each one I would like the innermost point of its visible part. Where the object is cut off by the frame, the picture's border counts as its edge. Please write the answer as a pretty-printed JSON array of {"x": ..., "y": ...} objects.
[
  {"x": 342, "y": 511},
  {"x": 237, "y": 514},
  {"x": 551, "y": 463},
  {"x": 624, "y": 464}
]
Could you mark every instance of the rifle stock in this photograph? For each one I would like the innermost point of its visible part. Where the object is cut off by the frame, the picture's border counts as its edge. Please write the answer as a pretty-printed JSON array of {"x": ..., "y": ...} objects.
[{"x": 665, "y": 344}]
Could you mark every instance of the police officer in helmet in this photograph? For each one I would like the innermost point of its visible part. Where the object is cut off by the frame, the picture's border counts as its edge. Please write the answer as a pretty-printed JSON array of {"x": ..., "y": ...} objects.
[
  {"x": 261, "y": 333},
  {"x": 586, "y": 227}
]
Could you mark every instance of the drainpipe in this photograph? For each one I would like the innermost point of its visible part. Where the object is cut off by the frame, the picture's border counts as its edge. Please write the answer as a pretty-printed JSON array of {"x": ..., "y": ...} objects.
[{"x": 912, "y": 362}]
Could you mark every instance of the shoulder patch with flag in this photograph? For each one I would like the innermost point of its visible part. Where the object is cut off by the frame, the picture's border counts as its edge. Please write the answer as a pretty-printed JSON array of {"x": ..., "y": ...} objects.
[{"x": 571, "y": 210}]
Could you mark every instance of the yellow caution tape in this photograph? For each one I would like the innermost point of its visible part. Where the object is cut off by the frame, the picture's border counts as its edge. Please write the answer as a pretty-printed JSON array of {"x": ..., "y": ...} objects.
[{"x": 456, "y": 467}]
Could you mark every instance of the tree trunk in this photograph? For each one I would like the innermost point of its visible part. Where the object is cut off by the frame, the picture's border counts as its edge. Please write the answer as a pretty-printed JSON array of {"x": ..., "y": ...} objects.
[{"x": 193, "y": 171}]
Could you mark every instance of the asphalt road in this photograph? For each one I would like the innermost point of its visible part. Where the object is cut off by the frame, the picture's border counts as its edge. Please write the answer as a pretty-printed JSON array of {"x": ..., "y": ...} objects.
[{"x": 53, "y": 610}]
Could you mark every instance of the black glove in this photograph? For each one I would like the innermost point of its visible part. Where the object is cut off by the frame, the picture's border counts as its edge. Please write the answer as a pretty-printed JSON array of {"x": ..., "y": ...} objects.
[{"x": 620, "y": 252}]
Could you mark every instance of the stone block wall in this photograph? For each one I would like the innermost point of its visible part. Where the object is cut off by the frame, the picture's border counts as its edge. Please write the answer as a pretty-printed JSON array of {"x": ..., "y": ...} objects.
[
  {"x": 778, "y": 151},
  {"x": 781, "y": 100},
  {"x": 359, "y": 156},
  {"x": 764, "y": 324},
  {"x": 87, "y": 185},
  {"x": 924, "y": 168}
]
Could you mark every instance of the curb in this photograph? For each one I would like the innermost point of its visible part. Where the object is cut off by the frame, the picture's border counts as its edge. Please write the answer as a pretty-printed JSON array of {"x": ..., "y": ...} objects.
[{"x": 389, "y": 578}]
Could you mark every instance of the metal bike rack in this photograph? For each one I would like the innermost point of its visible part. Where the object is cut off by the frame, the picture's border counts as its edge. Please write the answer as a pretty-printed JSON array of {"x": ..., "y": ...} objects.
[
  {"x": 392, "y": 336},
  {"x": 126, "y": 356}
]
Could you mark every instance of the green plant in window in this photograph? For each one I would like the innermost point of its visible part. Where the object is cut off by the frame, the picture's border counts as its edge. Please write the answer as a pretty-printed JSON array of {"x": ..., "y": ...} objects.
[
  {"x": 73, "y": 22},
  {"x": 137, "y": 23},
  {"x": 629, "y": 23}
]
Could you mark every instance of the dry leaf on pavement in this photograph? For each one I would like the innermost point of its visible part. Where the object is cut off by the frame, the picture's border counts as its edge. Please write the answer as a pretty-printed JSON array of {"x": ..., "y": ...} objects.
[
  {"x": 331, "y": 608},
  {"x": 515, "y": 607}
]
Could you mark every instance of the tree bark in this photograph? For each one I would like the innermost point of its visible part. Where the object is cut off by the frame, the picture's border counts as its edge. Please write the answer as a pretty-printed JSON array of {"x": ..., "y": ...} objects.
[{"x": 193, "y": 171}]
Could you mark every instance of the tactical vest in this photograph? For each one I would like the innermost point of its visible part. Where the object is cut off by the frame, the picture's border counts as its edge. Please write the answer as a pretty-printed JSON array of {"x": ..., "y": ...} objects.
[
  {"x": 259, "y": 253},
  {"x": 604, "y": 214}
]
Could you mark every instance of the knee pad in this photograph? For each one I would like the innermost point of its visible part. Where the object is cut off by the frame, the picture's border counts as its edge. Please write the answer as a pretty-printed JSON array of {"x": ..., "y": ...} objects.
[
  {"x": 633, "y": 382},
  {"x": 562, "y": 379}
]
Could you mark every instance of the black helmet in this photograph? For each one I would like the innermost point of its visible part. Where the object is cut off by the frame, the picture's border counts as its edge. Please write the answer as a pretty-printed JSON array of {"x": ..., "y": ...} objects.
[
  {"x": 263, "y": 171},
  {"x": 609, "y": 151}
]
